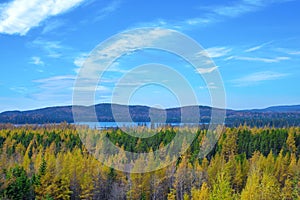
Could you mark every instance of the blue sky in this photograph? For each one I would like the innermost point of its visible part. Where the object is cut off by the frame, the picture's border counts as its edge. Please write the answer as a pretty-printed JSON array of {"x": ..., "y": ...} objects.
[{"x": 255, "y": 45}]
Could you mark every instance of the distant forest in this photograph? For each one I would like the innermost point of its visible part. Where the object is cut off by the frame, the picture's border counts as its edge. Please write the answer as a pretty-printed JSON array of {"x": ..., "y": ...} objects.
[
  {"x": 50, "y": 162},
  {"x": 279, "y": 116}
]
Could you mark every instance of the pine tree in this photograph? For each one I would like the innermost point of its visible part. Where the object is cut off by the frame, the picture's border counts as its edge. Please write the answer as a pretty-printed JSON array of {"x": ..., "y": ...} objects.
[
  {"x": 201, "y": 194},
  {"x": 19, "y": 185},
  {"x": 269, "y": 187},
  {"x": 287, "y": 190},
  {"x": 221, "y": 189},
  {"x": 229, "y": 146},
  {"x": 290, "y": 142}
]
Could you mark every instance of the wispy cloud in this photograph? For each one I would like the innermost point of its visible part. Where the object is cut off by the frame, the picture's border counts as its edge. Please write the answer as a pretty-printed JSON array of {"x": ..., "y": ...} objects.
[
  {"x": 52, "y": 25},
  {"x": 241, "y": 7},
  {"x": 199, "y": 20},
  {"x": 20, "y": 90},
  {"x": 214, "y": 14},
  {"x": 257, "y": 78},
  {"x": 79, "y": 60},
  {"x": 234, "y": 10},
  {"x": 294, "y": 53},
  {"x": 288, "y": 51},
  {"x": 110, "y": 8},
  {"x": 61, "y": 87},
  {"x": 51, "y": 48},
  {"x": 258, "y": 59},
  {"x": 180, "y": 24},
  {"x": 126, "y": 43},
  {"x": 209, "y": 86},
  {"x": 255, "y": 48},
  {"x": 59, "y": 81},
  {"x": 56, "y": 89},
  {"x": 19, "y": 16},
  {"x": 216, "y": 52},
  {"x": 206, "y": 70},
  {"x": 36, "y": 61}
]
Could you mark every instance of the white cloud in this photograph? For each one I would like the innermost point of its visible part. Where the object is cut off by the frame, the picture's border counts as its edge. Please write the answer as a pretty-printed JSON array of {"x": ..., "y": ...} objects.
[
  {"x": 52, "y": 48},
  {"x": 265, "y": 60},
  {"x": 36, "y": 60},
  {"x": 242, "y": 7},
  {"x": 56, "y": 80},
  {"x": 180, "y": 24},
  {"x": 19, "y": 16},
  {"x": 61, "y": 84},
  {"x": 206, "y": 70},
  {"x": 20, "y": 90},
  {"x": 56, "y": 89},
  {"x": 215, "y": 52},
  {"x": 256, "y": 78},
  {"x": 52, "y": 25},
  {"x": 209, "y": 86},
  {"x": 98, "y": 88},
  {"x": 198, "y": 21},
  {"x": 257, "y": 47},
  {"x": 111, "y": 7},
  {"x": 234, "y": 10},
  {"x": 59, "y": 88},
  {"x": 213, "y": 14},
  {"x": 80, "y": 59},
  {"x": 126, "y": 43},
  {"x": 294, "y": 53},
  {"x": 195, "y": 21}
]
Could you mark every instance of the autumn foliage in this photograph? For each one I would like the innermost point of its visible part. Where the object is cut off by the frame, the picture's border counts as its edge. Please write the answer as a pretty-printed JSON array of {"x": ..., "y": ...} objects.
[{"x": 51, "y": 162}]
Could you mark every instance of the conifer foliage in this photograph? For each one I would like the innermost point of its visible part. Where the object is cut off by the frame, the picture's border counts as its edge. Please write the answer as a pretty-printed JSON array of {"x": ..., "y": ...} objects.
[{"x": 50, "y": 162}]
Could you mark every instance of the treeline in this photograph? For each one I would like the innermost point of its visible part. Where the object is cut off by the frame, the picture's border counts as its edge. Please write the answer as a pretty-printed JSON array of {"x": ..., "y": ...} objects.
[
  {"x": 50, "y": 162},
  {"x": 284, "y": 120},
  {"x": 281, "y": 116}
]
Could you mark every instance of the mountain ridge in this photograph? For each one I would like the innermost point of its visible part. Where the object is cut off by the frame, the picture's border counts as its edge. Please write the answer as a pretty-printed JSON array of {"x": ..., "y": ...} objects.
[{"x": 142, "y": 113}]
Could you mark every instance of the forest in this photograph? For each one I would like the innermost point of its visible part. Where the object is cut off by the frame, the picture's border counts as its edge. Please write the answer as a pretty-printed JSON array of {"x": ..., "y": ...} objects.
[{"x": 51, "y": 162}]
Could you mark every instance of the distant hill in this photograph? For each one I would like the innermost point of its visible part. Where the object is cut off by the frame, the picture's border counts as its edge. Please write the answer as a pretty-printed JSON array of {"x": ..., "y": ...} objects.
[
  {"x": 276, "y": 115},
  {"x": 293, "y": 108}
]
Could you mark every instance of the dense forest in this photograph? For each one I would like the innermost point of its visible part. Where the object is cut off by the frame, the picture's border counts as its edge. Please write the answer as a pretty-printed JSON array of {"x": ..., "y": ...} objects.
[
  {"x": 51, "y": 162},
  {"x": 278, "y": 116}
]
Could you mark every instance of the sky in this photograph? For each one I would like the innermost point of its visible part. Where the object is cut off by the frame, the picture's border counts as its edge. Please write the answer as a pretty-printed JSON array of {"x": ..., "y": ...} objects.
[{"x": 254, "y": 44}]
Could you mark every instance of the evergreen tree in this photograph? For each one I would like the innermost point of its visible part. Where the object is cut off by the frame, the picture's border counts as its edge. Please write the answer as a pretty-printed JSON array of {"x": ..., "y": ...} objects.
[{"x": 19, "y": 185}]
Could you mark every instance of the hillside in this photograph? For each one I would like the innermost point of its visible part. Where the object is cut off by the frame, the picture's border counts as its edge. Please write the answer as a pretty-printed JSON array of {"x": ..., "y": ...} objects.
[{"x": 276, "y": 115}]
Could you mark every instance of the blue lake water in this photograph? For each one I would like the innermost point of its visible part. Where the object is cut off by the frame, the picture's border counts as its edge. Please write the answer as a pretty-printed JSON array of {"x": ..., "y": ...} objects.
[{"x": 103, "y": 125}]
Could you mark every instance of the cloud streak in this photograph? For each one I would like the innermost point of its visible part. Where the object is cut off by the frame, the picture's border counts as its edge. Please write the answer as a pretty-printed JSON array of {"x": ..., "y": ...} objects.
[
  {"x": 215, "y": 52},
  {"x": 213, "y": 14},
  {"x": 51, "y": 48},
  {"x": 257, "y": 78},
  {"x": 206, "y": 70},
  {"x": 110, "y": 8},
  {"x": 255, "y": 48},
  {"x": 19, "y": 16},
  {"x": 294, "y": 53},
  {"x": 258, "y": 59},
  {"x": 242, "y": 7},
  {"x": 53, "y": 25}
]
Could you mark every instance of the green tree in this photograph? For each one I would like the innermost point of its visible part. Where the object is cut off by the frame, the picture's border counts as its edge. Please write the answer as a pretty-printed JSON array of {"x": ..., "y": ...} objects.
[
  {"x": 19, "y": 185},
  {"x": 221, "y": 189},
  {"x": 290, "y": 141}
]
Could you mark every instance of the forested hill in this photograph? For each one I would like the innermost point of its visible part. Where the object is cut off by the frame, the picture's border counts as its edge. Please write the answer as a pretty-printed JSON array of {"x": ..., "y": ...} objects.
[{"x": 274, "y": 116}]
